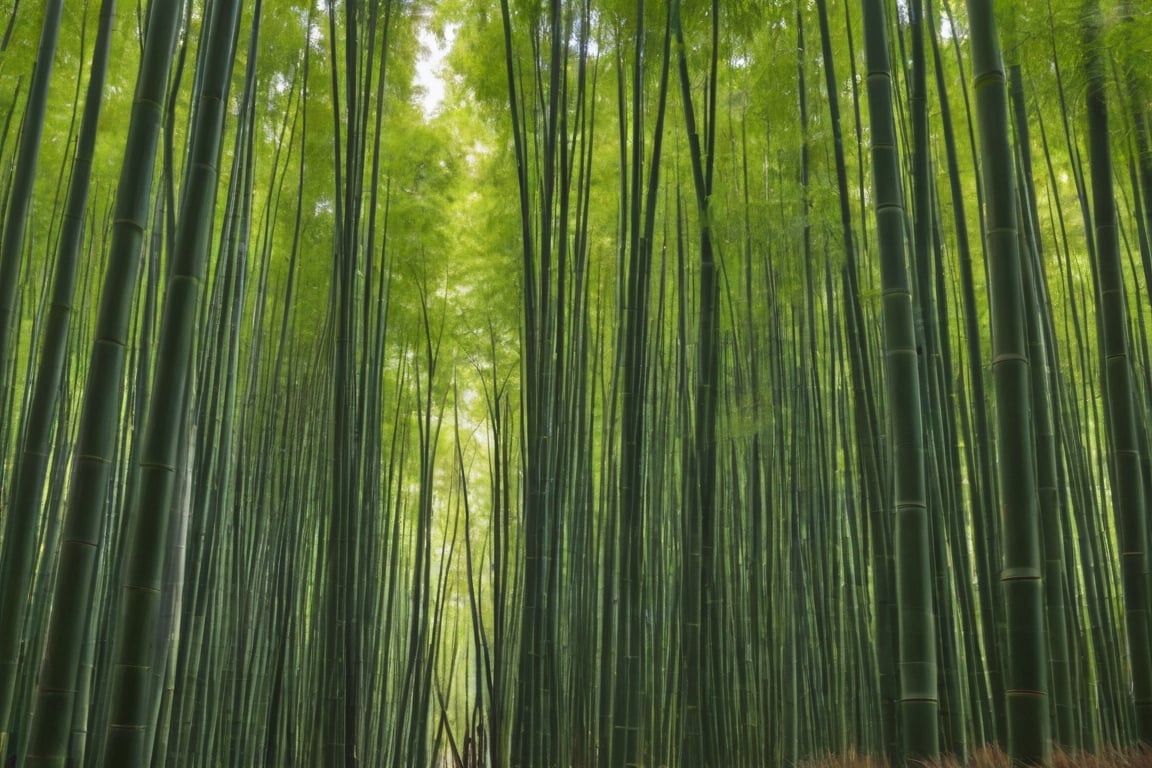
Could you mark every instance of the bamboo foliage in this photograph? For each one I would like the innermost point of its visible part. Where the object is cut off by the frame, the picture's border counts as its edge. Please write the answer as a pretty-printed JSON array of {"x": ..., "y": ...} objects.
[{"x": 640, "y": 399}]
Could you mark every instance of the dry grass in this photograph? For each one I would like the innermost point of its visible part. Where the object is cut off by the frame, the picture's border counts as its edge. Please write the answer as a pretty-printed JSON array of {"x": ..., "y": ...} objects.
[{"x": 994, "y": 757}]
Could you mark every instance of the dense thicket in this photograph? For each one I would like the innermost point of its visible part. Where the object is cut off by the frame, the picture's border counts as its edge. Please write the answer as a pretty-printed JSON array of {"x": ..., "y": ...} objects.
[{"x": 690, "y": 383}]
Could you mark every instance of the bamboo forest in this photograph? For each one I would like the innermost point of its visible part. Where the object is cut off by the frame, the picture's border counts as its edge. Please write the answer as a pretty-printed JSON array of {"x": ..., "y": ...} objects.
[{"x": 575, "y": 383}]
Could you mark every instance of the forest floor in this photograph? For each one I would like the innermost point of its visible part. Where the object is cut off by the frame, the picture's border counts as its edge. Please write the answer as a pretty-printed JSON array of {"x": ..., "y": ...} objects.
[{"x": 992, "y": 757}]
